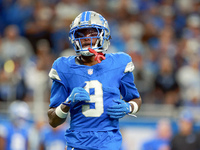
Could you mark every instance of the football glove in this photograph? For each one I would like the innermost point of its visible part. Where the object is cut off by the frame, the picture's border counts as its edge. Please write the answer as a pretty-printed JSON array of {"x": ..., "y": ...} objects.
[
  {"x": 119, "y": 110},
  {"x": 78, "y": 94}
]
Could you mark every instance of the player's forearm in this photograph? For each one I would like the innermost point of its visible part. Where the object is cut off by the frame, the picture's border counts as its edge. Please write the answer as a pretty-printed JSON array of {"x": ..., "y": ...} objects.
[
  {"x": 54, "y": 119},
  {"x": 138, "y": 101}
]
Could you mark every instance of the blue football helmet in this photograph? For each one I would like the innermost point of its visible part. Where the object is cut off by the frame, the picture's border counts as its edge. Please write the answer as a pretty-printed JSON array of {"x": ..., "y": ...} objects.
[{"x": 98, "y": 26}]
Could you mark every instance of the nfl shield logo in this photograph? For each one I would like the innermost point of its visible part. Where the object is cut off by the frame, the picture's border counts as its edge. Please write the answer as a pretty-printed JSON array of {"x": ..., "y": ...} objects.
[{"x": 90, "y": 71}]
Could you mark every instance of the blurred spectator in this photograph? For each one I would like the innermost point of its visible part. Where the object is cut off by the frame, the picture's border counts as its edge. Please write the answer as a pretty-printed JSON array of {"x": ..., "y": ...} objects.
[
  {"x": 179, "y": 58},
  {"x": 14, "y": 133},
  {"x": 40, "y": 27},
  {"x": 14, "y": 46},
  {"x": 52, "y": 138},
  {"x": 166, "y": 83},
  {"x": 144, "y": 78},
  {"x": 161, "y": 141},
  {"x": 192, "y": 28},
  {"x": 188, "y": 77},
  {"x": 186, "y": 138},
  {"x": 15, "y": 51},
  {"x": 12, "y": 84},
  {"x": 36, "y": 78},
  {"x": 167, "y": 43}
]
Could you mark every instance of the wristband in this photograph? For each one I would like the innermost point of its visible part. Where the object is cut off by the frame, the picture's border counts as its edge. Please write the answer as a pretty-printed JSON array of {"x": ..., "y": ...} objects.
[
  {"x": 60, "y": 113},
  {"x": 130, "y": 108},
  {"x": 135, "y": 108}
]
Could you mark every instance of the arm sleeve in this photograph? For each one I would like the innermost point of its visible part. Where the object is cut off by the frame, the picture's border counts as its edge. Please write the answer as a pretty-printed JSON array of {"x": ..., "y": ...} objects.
[
  {"x": 128, "y": 88},
  {"x": 59, "y": 90},
  {"x": 58, "y": 94}
]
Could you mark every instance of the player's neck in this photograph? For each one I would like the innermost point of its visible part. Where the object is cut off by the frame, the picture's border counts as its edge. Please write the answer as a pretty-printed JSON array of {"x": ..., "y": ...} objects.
[{"x": 87, "y": 60}]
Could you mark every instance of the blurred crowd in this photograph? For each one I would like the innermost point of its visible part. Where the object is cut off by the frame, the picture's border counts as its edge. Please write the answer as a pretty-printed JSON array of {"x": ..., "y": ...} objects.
[{"x": 161, "y": 36}]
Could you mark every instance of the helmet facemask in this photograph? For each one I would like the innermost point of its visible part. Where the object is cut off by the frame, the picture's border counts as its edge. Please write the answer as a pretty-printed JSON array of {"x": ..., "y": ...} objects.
[{"x": 99, "y": 32}]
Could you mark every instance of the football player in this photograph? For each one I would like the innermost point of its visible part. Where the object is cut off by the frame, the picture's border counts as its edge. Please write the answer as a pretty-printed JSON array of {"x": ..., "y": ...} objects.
[
  {"x": 97, "y": 88},
  {"x": 14, "y": 132}
]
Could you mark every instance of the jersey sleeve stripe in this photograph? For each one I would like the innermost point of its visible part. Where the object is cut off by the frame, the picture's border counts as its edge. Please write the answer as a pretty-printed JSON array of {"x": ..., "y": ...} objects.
[
  {"x": 129, "y": 67},
  {"x": 54, "y": 75}
]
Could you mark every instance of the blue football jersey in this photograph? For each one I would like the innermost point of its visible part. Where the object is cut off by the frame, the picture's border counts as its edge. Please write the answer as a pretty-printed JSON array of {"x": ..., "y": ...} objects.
[
  {"x": 105, "y": 82},
  {"x": 53, "y": 139},
  {"x": 16, "y": 138}
]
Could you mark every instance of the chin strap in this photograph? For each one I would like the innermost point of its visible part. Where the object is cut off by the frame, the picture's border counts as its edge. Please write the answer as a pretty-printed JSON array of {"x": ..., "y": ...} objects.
[{"x": 97, "y": 55}]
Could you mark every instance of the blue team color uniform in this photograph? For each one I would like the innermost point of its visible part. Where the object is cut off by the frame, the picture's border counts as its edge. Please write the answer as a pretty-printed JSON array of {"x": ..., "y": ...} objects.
[
  {"x": 53, "y": 139},
  {"x": 90, "y": 126},
  {"x": 15, "y": 137}
]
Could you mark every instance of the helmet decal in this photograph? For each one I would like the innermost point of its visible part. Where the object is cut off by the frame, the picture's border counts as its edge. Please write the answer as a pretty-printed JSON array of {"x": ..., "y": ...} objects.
[{"x": 85, "y": 16}]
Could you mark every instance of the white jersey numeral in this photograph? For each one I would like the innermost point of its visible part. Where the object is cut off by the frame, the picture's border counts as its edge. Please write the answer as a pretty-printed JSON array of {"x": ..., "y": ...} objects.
[{"x": 96, "y": 97}]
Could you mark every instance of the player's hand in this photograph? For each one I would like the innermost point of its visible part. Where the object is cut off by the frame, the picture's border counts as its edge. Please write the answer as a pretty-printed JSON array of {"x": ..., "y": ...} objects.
[
  {"x": 78, "y": 94},
  {"x": 119, "y": 110}
]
